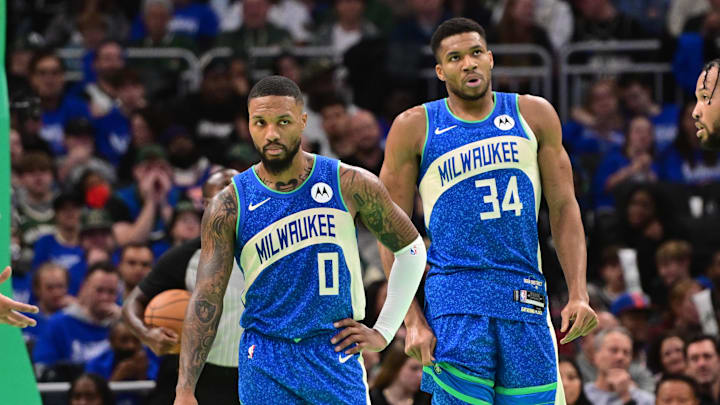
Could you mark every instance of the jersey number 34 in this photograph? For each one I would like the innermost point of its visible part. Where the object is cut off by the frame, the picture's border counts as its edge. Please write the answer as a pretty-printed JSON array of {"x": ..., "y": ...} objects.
[{"x": 511, "y": 200}]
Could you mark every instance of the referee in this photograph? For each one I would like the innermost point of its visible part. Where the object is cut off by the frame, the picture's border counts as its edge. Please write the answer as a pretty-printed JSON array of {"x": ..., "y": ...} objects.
[{"x": 177, "y": 269}]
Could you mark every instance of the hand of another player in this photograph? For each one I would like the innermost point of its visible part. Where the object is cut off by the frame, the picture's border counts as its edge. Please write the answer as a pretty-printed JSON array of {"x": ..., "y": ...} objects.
[
  {"x": 9, "y": 308},
  {"x": 420, "y": 342},
  {"x": 355, "y": 332},
  {"x": 161, "y": 340},
  {"x": 581, "y": 315}
]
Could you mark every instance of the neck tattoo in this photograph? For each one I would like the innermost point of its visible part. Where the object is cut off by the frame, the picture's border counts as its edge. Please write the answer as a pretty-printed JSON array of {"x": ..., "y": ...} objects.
[{"x": 293, "y": 183}]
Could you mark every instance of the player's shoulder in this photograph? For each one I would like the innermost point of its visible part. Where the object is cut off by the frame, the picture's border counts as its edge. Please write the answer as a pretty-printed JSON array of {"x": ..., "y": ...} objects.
[
  {"x": 408, "y": 129},
  {"x": 356, "y": 181},
  {"x": 412, "y": 118},
  {"x": 538, "y": 112}
]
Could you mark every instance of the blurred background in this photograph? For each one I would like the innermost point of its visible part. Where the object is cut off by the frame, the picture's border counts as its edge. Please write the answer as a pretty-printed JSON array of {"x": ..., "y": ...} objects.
[{"x": 120, "y": 110}]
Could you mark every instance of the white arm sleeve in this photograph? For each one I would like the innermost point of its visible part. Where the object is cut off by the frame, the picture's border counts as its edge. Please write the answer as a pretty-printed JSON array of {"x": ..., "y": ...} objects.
[{"x": 405, "y": 276}]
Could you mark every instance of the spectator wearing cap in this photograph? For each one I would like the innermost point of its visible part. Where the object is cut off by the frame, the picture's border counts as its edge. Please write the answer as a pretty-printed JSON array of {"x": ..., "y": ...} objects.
[
  {"x": 256, "y": 30},
  {"x": 96, "y": 236},
  {"x": 210, "y": 113},
  {"x": 80, "y": 144},
  {"x": 79, "y": 332},
  {"x": 141, "y": 211},
  {"x": 47, "y": 79},
  {"x": 185, "y": 224},
  {"x": 26, "y": 118},
  {"x": 136, "y": 261},
  {"x": 613, "y": 385},
  {"x": 63, "y": 246},
  {"x": 703, "y": 358},
  {"x": 113, "y": 129},
  {"x": 348, "y": 27},
  {"x": 633, "y": 311},
  {"x": 190, "y": 18}
]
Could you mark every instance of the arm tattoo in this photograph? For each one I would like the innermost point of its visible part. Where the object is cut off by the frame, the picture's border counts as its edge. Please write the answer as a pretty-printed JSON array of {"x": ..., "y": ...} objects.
[
  {"x": 380, "y": 215},
  {"x": 205, "y": 307},
  {"x": 291, "y": 184}
]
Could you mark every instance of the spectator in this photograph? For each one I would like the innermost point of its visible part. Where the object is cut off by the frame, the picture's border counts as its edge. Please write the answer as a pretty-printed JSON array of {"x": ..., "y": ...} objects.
[
  {"x": 241, "y": 157},
  {"x": 256, "y": 29},
  {"x": 601, "y": 20},
  {"x": 63, "y": 246},
  {"x": 136, "y": 261},
  {"x": 80, "y": 144},
  {"x": 96, "y": 236},
  {"x": 633, "y": 311},
  {"x": 650, "y": 14},
  {"x": 637, "y": 98},
  {"x": 95, "y": 189},
  {"x": 146, "y": 126},
  {"x": 673, "y": 262},
  {"x": 140, "y": 211},
  {"x": 190, "y": 18},
  {"x": 190, "y": 167},
  {"x": 348, "y": 27},
  {"x": 613, "y": 385},
  {"x": 572, "y": 382},
  {"x": 363, "y": 129},
  {"x": 47, "y": 78},
  {"x": 240, "y": 77},
  {"x": 684, "y": 161},
  {"x": 16, "y": 154},
  {"x": 595, "y": 128},
  {"x": 677, "y": 389},
  {"x": 633, "y": 164},
  {"x": 26, "y": 117},
  {"x": 666, "y": 355},
  {"x": 210, "y": 113},
  {"x": 125, "y": 360},
  {"x": 185, "y": 224},
  {"x": 613, "y": 280},
  {"x": 49, "y": 284},
  {"x": 90, "y": 389},
  {"x": 78, "y": 18},
  {"x": 34, "y": 199},
  {"x": 334, "y": 112},
  {"x": 108, "y": 63},
  {"x": 79, "y": 332},
  {"x": 398, "y": 381},
  {"x": 704, "y": 366},
  {"x": 683, "y": 313}
]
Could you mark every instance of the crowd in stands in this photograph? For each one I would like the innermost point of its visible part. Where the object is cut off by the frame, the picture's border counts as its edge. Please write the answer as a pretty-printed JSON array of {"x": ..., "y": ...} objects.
[{"x": 109, "y": 154}]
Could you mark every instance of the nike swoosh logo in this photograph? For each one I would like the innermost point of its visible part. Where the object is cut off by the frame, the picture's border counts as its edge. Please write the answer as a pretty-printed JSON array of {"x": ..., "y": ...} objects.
[
  {"x": 252, "y": 207},
  {"x": 343, "y": 359},
  {"x": 439, "y": 131}
]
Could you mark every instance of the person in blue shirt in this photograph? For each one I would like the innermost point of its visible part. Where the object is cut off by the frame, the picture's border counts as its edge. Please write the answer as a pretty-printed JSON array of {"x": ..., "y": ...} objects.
[
  {"x": 634, "y": 163},
  {"x": 47, "y": 79},
  {"x": 50, "y": 284},
  {"x": 63, "y": 246},
  {"x": 637, "y": 100},
  {"x": 194, "y": 19},
  {"x": 79, "y": 332},
  {"x": 685, "y": 161}
]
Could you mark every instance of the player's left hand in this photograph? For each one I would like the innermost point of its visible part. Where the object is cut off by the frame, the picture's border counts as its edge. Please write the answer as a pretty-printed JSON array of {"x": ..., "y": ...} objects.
[
  {"x": 355, "y": 332},
  {"x": 582, "y": 316},
  {"x": 9, "y": 308}
]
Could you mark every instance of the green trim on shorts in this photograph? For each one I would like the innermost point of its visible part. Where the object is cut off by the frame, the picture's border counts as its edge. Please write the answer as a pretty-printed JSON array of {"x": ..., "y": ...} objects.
[
  {"x": 452, "y": 391},
  {"x": 467, "y": 377},
  {"x": 526, "y": 390}
]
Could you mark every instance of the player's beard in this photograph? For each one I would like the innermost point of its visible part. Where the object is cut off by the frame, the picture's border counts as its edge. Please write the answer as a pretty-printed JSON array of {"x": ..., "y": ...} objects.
[
  {"x": 712, "y": 140},
  {"x": 282, "y": 163},
  {"x": 469, "y": 97}
]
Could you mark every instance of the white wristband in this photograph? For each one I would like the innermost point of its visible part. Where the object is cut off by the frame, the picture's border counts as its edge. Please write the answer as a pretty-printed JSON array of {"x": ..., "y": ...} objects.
[{"x": 405, "y": 276}]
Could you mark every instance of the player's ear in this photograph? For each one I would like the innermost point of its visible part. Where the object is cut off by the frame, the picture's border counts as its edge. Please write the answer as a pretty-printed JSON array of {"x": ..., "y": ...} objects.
[
  {"x": 439, "y": 72},
  {"x": 492, "y": 60},
  {"x": 303, "y": 118}
]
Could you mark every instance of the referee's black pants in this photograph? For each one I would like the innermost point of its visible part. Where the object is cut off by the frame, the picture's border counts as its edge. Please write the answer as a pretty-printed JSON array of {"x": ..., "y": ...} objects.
[{"x": 217, "y": 385}]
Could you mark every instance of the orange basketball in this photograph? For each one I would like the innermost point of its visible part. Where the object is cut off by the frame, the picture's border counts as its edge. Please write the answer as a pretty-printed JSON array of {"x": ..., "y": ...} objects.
[{"x": 167, "y": 309}]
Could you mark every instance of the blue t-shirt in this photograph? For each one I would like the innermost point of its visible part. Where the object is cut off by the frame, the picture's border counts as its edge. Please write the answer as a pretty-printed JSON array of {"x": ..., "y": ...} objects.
[
  {"x": 674, "y": 169},
  {"x": 613, "y": 162},
  {"x": 104, "y": 364},
  {"x": 72, "y": 258},
  {"x": 33, "y": 333},
  {"x": 581, "y": 140},
  {"x": 53, "y": 122},
  {"x": 665, "y": 124},
  {"x": 194, "y": 20},
  {"x": 68, "y": 338},
  {"x": 112, "y": 135}
]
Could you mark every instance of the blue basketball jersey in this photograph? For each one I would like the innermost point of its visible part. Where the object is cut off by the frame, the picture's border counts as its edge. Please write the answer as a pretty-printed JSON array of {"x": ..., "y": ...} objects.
[
  {"x": 298, "y": 253},
  {"x": 480, "y": 186}
]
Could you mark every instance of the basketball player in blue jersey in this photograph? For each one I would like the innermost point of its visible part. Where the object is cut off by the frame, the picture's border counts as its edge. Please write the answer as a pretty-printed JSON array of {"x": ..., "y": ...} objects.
[
  {"x": 707, "y": 114},
  {"x": 289, "y": 222},
  {"x": 479, "y": 160}
]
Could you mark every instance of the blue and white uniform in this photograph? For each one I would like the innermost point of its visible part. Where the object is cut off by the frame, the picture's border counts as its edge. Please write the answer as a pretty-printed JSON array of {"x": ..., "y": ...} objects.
[
  {"x": 486, "y": 295},
  {"x": 298, "y": 253}
]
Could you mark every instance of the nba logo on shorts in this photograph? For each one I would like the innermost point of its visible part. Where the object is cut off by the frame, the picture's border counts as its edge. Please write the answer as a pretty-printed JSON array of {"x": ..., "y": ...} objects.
[
  {"x": 251, "y": 351},
  {"x": 504, "y": 122},
  {"x": 321, "y": 192},
  {"x": 413, "y": 250}
]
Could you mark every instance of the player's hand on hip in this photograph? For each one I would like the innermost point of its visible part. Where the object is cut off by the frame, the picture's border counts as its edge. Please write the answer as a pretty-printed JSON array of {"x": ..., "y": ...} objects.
[
  {"x": 353, "y": 332},
  {"x": 582, "y": 316},
  {"x": 9, "y": 308},
  {"x": 420, "y": 342},
  {"x": 162, "y": 340}
]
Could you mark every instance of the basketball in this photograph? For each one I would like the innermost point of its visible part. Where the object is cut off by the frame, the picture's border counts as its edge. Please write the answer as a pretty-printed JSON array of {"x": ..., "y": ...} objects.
[{"x": 167, "y": 309}]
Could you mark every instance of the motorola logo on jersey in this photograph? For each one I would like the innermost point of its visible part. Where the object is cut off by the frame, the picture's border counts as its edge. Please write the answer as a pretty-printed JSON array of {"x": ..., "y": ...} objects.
[
  {"x": 504, "y": 122},
  {"x": 321, "y": 192}
]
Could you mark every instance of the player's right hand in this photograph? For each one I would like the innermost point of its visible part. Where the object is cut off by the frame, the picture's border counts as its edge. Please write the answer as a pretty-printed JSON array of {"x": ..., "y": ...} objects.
[
  {"x": 354, "y": 332},
  {"x": 420, "y": 342},
  {"x": 162, "y": 341}
]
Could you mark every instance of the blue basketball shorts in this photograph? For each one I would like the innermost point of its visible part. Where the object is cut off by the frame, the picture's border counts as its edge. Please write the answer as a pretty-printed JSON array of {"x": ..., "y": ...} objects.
[
  {"x": 278, "y": 371},
  {"x": 486, "y": 360}
]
